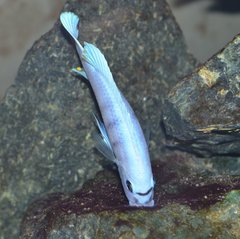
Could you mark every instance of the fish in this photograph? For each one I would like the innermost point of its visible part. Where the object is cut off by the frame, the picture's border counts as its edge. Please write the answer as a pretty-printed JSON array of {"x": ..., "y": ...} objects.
[{"x": 121, "y": 137}]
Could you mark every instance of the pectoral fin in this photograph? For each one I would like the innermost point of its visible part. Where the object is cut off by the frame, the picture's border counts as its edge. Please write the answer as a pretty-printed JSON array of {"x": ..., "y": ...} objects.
[{"x": 102, "y": 141}]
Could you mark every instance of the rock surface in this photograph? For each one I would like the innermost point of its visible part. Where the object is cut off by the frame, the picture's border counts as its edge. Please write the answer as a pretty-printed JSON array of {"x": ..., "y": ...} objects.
[
  {"x": 45, "y": 143},
  {"x": 201, "y": 113},
  {"x": 206, "y": 206}
]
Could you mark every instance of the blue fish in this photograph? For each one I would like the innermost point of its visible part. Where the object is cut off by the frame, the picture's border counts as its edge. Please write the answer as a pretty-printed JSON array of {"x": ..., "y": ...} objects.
[{"x": 122, "y": 139}]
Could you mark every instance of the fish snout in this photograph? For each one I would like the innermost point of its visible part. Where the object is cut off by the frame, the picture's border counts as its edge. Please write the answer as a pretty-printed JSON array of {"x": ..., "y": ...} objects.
[{"x": 149, "y": 202}]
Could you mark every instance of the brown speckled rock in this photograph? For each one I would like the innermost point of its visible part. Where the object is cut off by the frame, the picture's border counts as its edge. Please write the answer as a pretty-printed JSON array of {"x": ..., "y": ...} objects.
[{"x": 45, "y": 117}]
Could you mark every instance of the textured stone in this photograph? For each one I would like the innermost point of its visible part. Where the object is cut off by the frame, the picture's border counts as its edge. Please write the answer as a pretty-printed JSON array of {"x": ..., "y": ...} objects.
[
  {"x": 201, "y": 113},
  {"x": 45, "y": 117},
  {"x": 199, "y": 204}
]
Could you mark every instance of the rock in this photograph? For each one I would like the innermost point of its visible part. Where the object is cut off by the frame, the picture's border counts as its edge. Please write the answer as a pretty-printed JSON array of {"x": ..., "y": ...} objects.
[
  {"x": 201, "y": 113},
  {"x": 203, "y": 205},
  {"x": 45, "y": 143}
]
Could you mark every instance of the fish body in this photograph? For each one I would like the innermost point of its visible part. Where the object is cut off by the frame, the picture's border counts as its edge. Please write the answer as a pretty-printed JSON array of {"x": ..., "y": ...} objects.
[{"x": 122, "y": 139}]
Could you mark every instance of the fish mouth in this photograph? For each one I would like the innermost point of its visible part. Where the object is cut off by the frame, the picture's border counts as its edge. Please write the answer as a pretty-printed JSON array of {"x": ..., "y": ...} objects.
[{"x": 136, "y": 203}]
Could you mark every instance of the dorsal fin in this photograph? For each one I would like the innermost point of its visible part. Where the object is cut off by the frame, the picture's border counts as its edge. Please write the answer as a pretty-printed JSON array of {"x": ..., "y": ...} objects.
[{"x": 94, "y": 56}]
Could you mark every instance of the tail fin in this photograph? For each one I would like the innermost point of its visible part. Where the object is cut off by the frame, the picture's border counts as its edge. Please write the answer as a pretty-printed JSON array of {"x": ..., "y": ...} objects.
[{"x": 70, "y": 22}]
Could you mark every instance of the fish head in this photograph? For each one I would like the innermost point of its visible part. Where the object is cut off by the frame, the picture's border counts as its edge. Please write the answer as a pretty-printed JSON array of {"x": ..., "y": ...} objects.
[{"x": 138, "y": 192}]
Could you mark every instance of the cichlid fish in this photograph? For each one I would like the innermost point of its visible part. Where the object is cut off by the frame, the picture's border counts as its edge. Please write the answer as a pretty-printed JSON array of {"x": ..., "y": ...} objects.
[{"x": 122, "y": 139}]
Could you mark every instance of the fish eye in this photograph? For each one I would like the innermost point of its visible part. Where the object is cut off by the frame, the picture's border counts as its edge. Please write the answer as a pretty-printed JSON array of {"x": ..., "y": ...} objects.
[{"x": 129, "y": 186}]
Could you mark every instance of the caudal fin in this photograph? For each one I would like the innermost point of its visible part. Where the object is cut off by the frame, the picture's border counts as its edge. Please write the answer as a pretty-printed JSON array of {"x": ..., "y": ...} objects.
[
  {"x": 89, "y": 53},
  {"x": 70, "y": 22}
]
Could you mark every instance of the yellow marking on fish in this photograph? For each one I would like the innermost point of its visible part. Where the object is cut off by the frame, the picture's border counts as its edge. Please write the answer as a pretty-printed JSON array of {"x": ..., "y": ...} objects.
[
  {"x": 209, "y": 77},
  {"x": 79, "y": 68}
]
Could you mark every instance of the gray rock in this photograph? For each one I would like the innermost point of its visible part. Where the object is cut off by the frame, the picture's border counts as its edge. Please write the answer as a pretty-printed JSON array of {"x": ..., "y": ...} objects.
[
  {"x": 45, "y": 117},
  {"x": 201, "y": 113}
]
